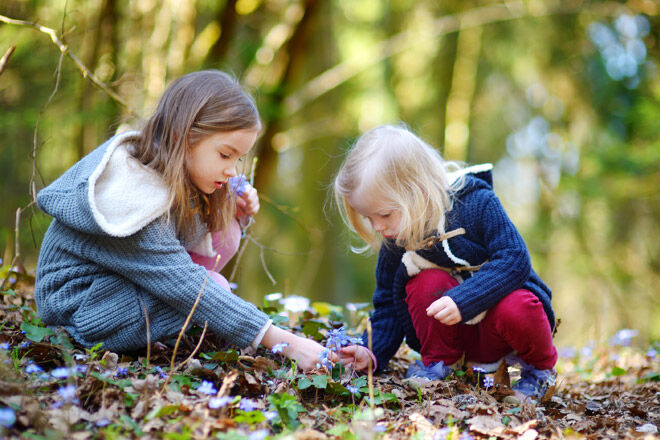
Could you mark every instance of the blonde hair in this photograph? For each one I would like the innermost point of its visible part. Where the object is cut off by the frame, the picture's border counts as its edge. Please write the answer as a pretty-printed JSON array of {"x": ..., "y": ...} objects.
[
  {"x": 392, "y": 162},
  {"x": 193, "y": 107}
]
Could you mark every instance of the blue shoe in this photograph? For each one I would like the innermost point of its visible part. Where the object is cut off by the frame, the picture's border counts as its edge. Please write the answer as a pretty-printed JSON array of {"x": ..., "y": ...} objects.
[
  {"x": 534, "y": 383},
  {"x": 435, "y": 371}
]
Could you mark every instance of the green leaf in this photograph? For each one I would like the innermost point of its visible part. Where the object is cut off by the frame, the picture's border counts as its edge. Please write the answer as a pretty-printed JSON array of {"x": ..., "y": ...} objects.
[
  {"x": 160, "y": 411},
  {"x": 618, "y": 371},
  {"x": 320, "y": 381},
  {"x": 228, "y": 356},
  {"x": 304, "y": 383},
  {"x": 35, "y": 333}
]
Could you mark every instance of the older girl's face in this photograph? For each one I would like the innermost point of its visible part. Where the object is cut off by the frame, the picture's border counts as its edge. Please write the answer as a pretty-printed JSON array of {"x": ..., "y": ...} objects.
[
  {"x": 212, "y": 161},
  {"x": 383, "y": 216}
]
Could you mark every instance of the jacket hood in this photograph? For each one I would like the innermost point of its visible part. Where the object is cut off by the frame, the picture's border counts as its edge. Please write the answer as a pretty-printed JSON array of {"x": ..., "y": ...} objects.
[
  {"x": 107, "y": 192},
  {"x": 476, "y": 177}
]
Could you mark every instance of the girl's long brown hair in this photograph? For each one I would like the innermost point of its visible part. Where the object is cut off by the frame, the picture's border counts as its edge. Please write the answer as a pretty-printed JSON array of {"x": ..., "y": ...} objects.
[{"x": 194, "y": 106}]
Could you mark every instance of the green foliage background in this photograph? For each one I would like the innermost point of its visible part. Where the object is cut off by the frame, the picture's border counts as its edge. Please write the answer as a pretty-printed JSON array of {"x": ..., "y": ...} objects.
[{"x": 523, "y": 85}]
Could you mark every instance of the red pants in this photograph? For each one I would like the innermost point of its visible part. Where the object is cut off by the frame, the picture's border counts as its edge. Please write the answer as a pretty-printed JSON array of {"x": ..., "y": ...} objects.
[{"x": 517, "y": 323}]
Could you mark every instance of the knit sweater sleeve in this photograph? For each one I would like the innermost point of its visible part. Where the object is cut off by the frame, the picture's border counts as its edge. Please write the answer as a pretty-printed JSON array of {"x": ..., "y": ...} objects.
[
  {"x": 508, "y": 265},
  {"x": 387, "y": 330},
  {"x": 155, "y": 260}
]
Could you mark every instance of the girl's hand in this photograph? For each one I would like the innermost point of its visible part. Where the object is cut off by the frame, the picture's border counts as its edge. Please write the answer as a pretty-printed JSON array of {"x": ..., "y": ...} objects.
[
  {"x": 306, "y": 352},
  {"x": 247, "y": 204},
  {"x": 445, "y": 310},
  {"x": 358, "y": 356}
]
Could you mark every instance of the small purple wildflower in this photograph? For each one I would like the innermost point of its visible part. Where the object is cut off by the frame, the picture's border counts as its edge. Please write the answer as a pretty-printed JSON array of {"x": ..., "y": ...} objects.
[
  {"x": 259, "y": 435},
  {"x": 567, "y": 352},
  {"x": 24, "y": 344},
  {"x": 652, "y": 353},
  {"x": 479, "y": 370},
  {"x": 441, "y": 434},
  {"x": 219, "y": 402},
  {"x": 5, "y": 346},
  {"x": 277, "y": 348},
  {"x": 44, "y": 376},
  {"x": 623, "y": 337},
  {"x": 7, "y": 417},
  {"x": 270, "y": 415},
  {"x": 33, "y": 368},
  {"x": 587, "y": 350},
  {"x": 121, "y": 372},
  {"x": 247, "y": 405},
  {"x": 352, "y": 389},
  {"x": 380, "y": 428},
  {"x": 325, "y": 360},
  {"x": 161, "y": 372},
  {"x": 103, "y": 423},
  {"x": 489, "y": 382},
  {"x": 237, "y": 185},
  {"x": 82, "y": 369},
  {"x": 60, "y": 373},
  {"x": 68, "y": 394},
  {"x": 206, "y": 388}
]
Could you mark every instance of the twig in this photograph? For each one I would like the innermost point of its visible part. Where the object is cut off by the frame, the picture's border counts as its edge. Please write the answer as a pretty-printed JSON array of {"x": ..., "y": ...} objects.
[
  {"x": 146, "y": 320},
  {"x": 185, "y": 325},
  {"x": 5, "y": 58},
  {"x": 64, "y": 49},
  {"x": 196, "y": 349}
]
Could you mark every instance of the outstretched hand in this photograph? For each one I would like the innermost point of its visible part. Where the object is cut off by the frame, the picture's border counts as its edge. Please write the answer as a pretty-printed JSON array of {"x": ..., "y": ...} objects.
[
  {"x": 357, "y": 356},
  {"x": 445, "y": 310},
  {"x": 306, "y": 352}
]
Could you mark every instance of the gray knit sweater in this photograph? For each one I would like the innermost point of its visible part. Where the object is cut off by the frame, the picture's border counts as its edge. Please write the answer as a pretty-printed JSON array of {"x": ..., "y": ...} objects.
[{"x": 110, "y": 254}]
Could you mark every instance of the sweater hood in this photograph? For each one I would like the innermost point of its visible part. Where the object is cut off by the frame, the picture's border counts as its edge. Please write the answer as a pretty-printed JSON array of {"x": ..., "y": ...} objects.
[{"x": 107, "y": 192}]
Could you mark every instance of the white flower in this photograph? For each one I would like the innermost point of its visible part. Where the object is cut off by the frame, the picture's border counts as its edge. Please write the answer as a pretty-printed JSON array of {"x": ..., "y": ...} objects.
[
  {"x": 295, "y": 303},
  {"x": 273, "y": 296}
]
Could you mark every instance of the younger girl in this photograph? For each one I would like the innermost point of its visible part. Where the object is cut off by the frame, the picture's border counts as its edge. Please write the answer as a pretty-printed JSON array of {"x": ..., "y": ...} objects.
[
  {"x": 133, "y": 217},
  {"x": 453, "y": 275}
]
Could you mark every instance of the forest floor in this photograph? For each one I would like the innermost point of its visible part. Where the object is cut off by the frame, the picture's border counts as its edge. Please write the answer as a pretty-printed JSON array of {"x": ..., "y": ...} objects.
[{"x": 51, "y": 388}]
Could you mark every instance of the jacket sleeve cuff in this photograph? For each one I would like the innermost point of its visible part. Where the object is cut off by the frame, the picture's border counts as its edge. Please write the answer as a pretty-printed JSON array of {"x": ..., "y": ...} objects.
[{"x": 257, "y": 340}]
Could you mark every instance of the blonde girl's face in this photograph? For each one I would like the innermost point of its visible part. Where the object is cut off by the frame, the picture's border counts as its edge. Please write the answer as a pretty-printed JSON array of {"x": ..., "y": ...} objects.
[
  {"x": 213, "y": 160},
  {"x": 383, "y": 216}
]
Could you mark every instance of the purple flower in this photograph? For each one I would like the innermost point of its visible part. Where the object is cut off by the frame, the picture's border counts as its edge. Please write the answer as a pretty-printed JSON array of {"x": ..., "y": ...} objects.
[
  {"x": 82, "y": 369},
  {"x": 103, "y": 423},
  {"x": 5, "y": 346},
  {"x": 277, "y": 348},
  {"x": 259, "y": 435},
  {"x": 352, "y": 389},
  {"x": 121, "y": 372},
  {"x": 237, "y": 185},
  {"x": 465, "y": 436},
  {"x": 68, "y": 394},
  {"x": 24, "y": 344},
  {"x": 479, "y": 370},
  {"x": 161, "y": 372},
  {"x": 206, "y": 388},
  {"x": 441, "y": 434},
  {"x": 270, "y": 415},
  {"x": 247, "y": 405},
  {"x": 652, "y": 353},
  {"x": 33, "y": 368},
  {"x": 325, "y": 360},
  {"x": 219, "y": 402},
  {"x": 623, "y": 337},
  {"x": 567, "y": 352},
  {"x": 488, "y": 382},
  {"x": 7, "y": 417},
  {"x": 60, "y": 373}
]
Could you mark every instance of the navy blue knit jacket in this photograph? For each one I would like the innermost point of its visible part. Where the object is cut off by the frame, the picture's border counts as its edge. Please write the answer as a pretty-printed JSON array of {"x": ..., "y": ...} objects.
[{"x": 490, "y": 236}]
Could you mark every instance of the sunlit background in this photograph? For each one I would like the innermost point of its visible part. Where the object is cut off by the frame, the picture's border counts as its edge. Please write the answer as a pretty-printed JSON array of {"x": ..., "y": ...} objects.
[{"x": 563, "y": 97}]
